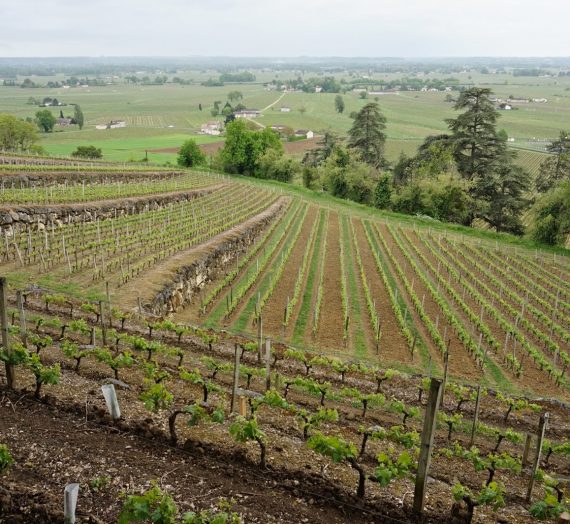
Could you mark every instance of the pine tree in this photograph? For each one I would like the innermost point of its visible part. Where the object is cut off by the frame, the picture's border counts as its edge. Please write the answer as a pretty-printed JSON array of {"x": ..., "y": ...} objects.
[
  {"x": 497, "y": 186},
  {"x": 501, "y": 196},
  {"x": 366, "y": 134},
  {"x": 477, "y": 146},
  {"x": 557, "y": 166}
]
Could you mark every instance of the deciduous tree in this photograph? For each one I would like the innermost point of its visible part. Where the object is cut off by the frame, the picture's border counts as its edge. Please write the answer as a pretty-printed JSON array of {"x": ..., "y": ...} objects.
[
  {"x": 190, "y": 154},
  {"x": 45, "y": 120}
]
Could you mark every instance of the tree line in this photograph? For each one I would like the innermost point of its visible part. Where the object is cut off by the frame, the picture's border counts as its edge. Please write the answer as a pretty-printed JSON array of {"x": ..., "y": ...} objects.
[{"x": 466, "y": 175}]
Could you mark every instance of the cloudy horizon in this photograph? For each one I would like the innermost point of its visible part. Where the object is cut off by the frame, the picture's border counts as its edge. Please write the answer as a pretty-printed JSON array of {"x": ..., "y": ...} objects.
[{"x": 262, "y": 28}]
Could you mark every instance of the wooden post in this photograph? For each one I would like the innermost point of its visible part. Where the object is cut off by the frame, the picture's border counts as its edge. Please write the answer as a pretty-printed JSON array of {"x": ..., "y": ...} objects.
[
  {"x": 242, "y": 406},
  {"x": 236, "y": 380},
  {"x": 103, "y": 325},
  {"x": 267, "y": 364},
  {"x": 541, "y": 430},
  {"x": 277, "y": 382},
  {"x": 23, "y": 330},
  {"x": 10, "y": 372},
  {"x": 414, "y": 344},
  {"x": 109, "y": 304},
  {"x": 259, "y": 339},
  {"x": 428, "y": 433},
  {"x": 475, "y": 416},
  {"x": 445, "y": 370},
  {"x": 526, "y": 451}
]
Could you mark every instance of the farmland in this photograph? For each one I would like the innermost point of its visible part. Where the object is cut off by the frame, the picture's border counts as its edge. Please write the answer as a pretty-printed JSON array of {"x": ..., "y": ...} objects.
[
  {"x": 162, "y": 116},
  {"x": 157, "y": 280}
]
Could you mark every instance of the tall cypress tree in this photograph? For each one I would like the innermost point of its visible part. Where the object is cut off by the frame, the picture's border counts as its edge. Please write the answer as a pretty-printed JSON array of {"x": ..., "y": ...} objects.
[{"x": 367, "y": 134}]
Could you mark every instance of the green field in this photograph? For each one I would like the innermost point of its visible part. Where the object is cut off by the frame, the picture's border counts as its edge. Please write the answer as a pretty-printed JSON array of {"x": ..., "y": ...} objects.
[{"x": 162, "y": 116}]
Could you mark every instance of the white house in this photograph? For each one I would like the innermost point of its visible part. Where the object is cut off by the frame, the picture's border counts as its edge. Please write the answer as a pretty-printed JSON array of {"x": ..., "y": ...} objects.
[
  {"x": 318, "y": 89},
  {"x": 305, "y": 133},
  {"x": 285, "y": 109},
  {"x": 214, "y": 128},
  {"x": 248, "y": 113}
]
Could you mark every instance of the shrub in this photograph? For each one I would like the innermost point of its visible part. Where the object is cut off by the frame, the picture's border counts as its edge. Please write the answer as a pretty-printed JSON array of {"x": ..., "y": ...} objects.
[
  {"x": 6, "y": 459},
  {"x": 87, "y": 152},
  {"x": 190, "y": 154}
]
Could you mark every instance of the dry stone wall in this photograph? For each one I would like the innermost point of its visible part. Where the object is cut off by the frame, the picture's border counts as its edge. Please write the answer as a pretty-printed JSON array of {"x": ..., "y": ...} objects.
[
  {"x": 191, "y": 279},
  {"x": 17, "y": 218}
]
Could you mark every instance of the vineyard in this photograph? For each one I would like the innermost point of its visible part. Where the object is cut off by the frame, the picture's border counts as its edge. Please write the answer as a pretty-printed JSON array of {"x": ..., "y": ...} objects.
[{"x": 274, "y": 359}]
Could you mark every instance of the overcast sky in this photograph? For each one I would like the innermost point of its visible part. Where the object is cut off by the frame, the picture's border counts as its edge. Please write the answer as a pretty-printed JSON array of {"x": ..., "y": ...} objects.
[{"x": 401, "y": 28}]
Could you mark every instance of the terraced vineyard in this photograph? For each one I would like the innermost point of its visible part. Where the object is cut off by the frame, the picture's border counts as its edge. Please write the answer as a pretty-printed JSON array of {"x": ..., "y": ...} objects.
[{"x": 160, "y": 288}]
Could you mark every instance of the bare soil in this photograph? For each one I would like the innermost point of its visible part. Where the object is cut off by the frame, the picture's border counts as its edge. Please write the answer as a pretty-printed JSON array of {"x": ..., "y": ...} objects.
[
  {"x": 274, "y": 310},
  {"x": 330, "y": 329},
  {"x": 393, "y": 344}
]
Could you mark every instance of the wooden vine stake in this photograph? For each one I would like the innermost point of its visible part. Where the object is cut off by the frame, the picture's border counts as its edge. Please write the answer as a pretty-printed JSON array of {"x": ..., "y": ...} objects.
[
  {"x": 445, "y": 371},
  {"x": 23, "y": 329},
  {"x": 526, "y": 452},
  {"x": 475, "y": 416},
  {"x": 10, "y": 372},
  {"x": 541, "y": 430},
  {"x": 267, "y": 364},
  {"x": 109, "y": 304},
  {"x": 259, "y": 339},
  {"x": 414, "y": 344},
  {"x": 236, "y": 379},
  {"x": 428, "y": 433},
  {"x": 103, "y": 325}
]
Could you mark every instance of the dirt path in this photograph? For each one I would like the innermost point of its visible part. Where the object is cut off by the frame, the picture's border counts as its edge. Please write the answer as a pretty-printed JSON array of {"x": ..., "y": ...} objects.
[{"x": 273, "y": 103}]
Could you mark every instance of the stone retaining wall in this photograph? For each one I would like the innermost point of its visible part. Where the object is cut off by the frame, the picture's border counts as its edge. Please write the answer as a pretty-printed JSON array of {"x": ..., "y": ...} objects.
[
  {"x": 191, "y": 279},
  {"x": 16, "y": 218}
]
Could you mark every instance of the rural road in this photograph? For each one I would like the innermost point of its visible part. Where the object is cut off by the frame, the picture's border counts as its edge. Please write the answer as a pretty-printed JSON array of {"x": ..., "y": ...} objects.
[
  {"x": 265, "y": 109},
  {"x": 273, "y": 103}
]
